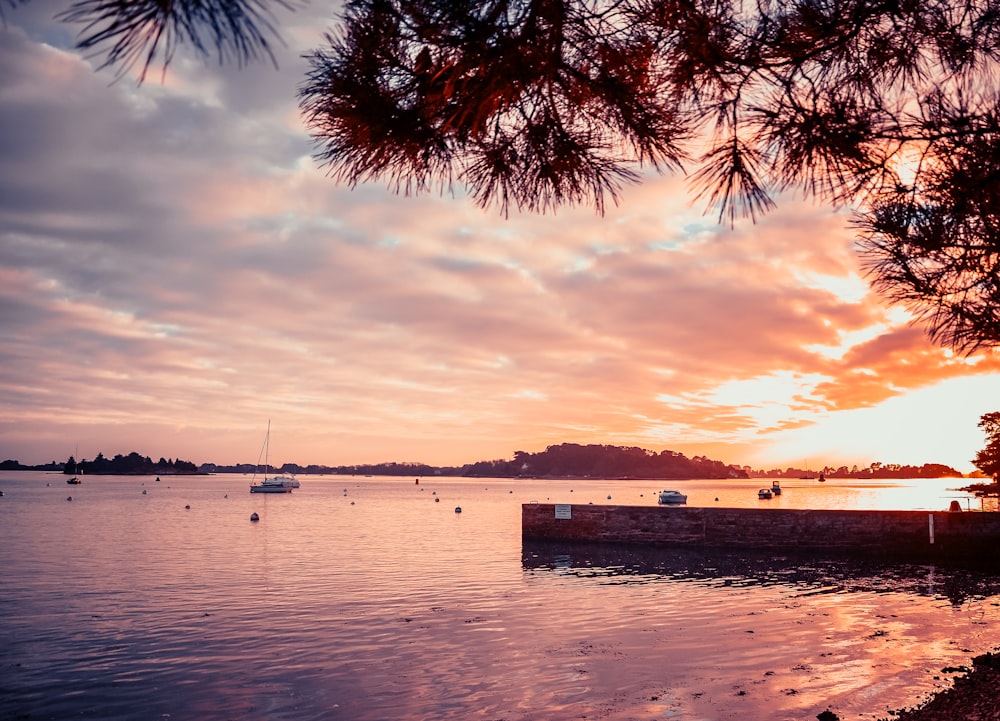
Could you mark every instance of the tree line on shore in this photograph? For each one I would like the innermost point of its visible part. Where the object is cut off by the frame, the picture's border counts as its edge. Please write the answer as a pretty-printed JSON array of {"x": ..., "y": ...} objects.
[
  {"x": 131, "y": 465},
  {"x": 563, "y": 460},
  {"x": 875, "y": 470}
]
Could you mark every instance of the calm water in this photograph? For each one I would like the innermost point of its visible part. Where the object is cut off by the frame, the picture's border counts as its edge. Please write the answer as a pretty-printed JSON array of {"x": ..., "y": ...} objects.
[{"x": 371, "y": 598}]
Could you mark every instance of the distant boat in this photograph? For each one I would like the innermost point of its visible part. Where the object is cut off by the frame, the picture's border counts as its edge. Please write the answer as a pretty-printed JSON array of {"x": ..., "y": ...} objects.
[
  {"x": 75, "y": 480},
  {"x": 670, "y": 498},
  {"x": 271, "y": 485},
  {"x": 764, "y": 493},
  {"x": 822, "y": 478},
  {"x": 275, "y": 484},
  {"x": 776, "y": 488}
]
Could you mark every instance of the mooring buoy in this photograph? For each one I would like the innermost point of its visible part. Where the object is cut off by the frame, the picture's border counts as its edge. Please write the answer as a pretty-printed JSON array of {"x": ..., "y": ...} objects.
[
  {"x": 458, "y": 509},
  {"x": 254, "y": 516}
]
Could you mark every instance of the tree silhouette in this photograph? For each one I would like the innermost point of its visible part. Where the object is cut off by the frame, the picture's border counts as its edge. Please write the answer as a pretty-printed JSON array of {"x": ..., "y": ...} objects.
[
  {"x": 988, "y": 459},
  {"x": 890, "y": 107}
]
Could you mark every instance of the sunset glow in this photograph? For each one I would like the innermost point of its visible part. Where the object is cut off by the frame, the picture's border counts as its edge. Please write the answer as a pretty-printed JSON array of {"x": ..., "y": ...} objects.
[{"x": 176, "y": 271}]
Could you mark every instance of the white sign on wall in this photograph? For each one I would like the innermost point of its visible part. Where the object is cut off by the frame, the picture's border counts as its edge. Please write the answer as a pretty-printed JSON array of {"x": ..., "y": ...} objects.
[{"x": 564, "y": 510}]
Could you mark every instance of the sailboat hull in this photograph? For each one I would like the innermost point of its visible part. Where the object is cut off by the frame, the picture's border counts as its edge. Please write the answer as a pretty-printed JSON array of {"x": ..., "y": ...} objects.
[{"x": 266, "y": 487}]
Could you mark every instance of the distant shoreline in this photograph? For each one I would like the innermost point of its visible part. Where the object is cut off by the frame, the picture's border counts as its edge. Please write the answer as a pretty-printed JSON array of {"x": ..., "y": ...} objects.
[
  {"x": 992, "y": 488},
  {"x": 565, "y": 461}
]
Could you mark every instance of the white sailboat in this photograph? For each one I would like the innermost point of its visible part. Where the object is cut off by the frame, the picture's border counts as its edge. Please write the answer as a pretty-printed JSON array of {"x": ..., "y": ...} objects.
[{"x": 275, "y": 484}]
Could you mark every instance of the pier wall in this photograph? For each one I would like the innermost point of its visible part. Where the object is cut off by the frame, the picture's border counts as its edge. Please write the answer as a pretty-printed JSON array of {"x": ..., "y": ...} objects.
[{"x": 913, "y": 533}]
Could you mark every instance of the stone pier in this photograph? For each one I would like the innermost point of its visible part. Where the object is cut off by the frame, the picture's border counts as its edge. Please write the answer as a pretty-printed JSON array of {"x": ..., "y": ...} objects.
[{"x": 924, "y": 534}]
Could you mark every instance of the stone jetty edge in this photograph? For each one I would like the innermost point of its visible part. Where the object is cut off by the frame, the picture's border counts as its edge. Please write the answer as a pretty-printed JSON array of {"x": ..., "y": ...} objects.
[{"x": 924, "y": 534}]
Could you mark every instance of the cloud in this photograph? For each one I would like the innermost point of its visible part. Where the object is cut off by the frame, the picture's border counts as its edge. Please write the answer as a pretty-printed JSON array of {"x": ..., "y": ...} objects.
[{"x": 176, "y": 270}]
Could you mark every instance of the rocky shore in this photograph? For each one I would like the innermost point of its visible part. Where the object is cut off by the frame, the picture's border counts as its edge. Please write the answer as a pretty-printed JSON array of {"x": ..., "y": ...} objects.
[{"x": 975, "y": 696}]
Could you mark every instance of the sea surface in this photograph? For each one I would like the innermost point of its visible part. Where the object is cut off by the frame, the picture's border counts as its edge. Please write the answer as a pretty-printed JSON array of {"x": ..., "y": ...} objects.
[{"x": 372, "y": 598}]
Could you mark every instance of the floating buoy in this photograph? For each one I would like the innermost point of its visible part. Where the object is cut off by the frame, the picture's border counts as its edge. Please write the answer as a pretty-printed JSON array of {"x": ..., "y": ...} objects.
[
  {"x": 437, "y": 500},
  {"x": 352, "y": 503},
  {"x": 609, "y": 496},
  {"x": 69, "y": 498},
  {"x": 458, "y": 509},
  {"x": 226, "y": 496},
  {"x": 417, "y": 481},
  {"x": 144, "y": 491},
  {"x": 187, "y": 508},
  {"x": 254, "y": 516}
]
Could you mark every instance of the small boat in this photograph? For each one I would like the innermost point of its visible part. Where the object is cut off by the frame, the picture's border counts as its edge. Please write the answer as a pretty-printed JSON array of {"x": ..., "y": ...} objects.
[
  {"x": 75, "y": 480},
  {"x": 668, "y": 498},
  {"x": 764, "y": 493},
  {"x": 271, "y": 485},
  {"x": 275, "y": 484},
  {"x": 776, "y": 488},
  {"x": 822, "y": 478}
]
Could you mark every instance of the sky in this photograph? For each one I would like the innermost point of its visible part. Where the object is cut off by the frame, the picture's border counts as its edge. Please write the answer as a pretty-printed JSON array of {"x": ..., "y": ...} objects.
[{"x": 176, "y": 272}]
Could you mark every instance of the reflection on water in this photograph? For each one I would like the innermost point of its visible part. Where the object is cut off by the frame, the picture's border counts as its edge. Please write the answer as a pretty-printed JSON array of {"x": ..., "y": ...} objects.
[
  {"x": 371, "y": 599},
  {"x": 804, "y": 573}
]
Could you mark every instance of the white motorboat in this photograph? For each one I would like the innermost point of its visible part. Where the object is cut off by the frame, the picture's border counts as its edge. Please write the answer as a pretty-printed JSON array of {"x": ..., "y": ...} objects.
[
  {"x": 764, "y": 493},
  {"x": 669, "y": 498},
  {"x": 290, "y": 481}
]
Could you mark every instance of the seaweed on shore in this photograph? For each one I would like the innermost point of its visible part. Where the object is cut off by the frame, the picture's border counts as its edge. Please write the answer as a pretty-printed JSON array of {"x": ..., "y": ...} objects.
[{"x": 975, "y": 695}]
